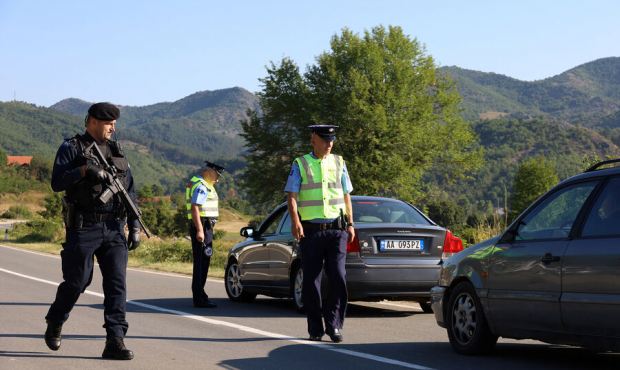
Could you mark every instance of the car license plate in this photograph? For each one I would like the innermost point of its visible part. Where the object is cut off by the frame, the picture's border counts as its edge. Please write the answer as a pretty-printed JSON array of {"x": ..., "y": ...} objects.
[{"x": 401, "y": 245}]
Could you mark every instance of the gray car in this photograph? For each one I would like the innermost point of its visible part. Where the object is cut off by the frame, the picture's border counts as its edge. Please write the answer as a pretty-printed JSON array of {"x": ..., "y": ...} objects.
[
  {"x": 553, "y": 275},
  {"x": 395, "y": 255}
]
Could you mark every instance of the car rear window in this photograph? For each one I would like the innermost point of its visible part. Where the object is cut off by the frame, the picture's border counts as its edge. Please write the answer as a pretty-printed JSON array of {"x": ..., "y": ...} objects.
[{"x": 386, "y": 211}]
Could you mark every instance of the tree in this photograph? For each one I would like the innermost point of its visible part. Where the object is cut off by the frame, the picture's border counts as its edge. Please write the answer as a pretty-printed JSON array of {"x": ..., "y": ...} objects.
[
  {"x": 534, "y": 177},
  {"x": 145, "y": 192},
  {"x": 53, "y": 206},
  {"x": 397, "y": 117},
  {"x": 446, "y": 213},
  {"x": 41, "y": 169},
  {"x": 2, "y": 159}
]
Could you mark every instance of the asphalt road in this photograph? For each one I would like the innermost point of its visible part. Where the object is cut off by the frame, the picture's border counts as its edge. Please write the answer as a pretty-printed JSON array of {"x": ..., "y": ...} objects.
[{"x": 166, "y": 332}]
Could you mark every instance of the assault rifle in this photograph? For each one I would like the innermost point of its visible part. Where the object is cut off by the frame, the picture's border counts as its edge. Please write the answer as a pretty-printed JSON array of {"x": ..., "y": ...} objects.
[{"x": 115, "y": 186}]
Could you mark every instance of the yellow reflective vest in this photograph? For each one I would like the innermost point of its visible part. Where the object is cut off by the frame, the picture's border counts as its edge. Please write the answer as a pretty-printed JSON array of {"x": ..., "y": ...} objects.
[
  {"x": 321, "y": 194},
  {"x": 210, "y": 207}
]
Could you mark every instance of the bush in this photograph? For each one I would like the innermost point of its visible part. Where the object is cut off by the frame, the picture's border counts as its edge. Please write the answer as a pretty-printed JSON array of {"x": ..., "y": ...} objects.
[
  {"x": 39, "y": 231},
  {"x": 53, "y": 206},
  {"x": 446, "y": 213},
  {"x": 153, "y": 252},
  {"x": 17, "y": 212},
  {"x": 179, "y": 250},
  {"x": 218, "y": 234}
]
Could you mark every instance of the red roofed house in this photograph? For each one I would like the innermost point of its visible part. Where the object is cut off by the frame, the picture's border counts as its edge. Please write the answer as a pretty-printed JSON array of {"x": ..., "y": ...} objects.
[{"x": 18, "y": 160}]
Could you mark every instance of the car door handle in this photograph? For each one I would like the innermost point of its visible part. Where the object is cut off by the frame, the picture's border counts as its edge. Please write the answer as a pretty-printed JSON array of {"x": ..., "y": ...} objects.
[{"x": 548, "y": 258}]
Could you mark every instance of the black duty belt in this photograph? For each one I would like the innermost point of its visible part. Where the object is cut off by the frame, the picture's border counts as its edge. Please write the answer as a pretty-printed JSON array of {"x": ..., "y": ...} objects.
[
  {"x": 207, "y": 222},
  {"x": 314, "y": 227},
  {"x": 98, "y": 217}
]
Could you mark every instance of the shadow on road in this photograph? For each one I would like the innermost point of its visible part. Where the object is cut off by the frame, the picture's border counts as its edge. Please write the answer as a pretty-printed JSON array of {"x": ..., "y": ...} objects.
[
  {"x": 69, "y": 337},
  {"x": 429, "y": 355},
  {"x": 261, "y": 307},
  {"x": 44, "y": 355}
]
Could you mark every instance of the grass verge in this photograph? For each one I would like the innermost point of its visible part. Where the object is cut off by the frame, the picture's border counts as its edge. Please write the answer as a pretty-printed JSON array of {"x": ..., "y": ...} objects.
[{"x": 169, "y": 255}]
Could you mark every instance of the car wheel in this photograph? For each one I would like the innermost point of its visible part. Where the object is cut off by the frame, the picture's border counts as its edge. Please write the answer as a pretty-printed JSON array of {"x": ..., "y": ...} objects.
[
  {"x": 234, "y": 287},
  {"x": 468, "y": 330},
  {"x": 297, "y": 281},
  {"x": 426, "y": 307}
]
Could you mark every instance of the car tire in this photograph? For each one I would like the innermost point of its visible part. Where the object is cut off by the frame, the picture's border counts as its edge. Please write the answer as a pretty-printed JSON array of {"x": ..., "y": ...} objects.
[
  {"x": 233, "y": 285},
  {"x": 468, "y": 330},
  {"x": 297, "y": 279},
  {"x": 426, "y": 306}
]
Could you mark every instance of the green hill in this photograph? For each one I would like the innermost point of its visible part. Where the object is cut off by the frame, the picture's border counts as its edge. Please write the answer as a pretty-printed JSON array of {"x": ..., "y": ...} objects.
[
  {"x": 586, "y": 95},
  {"x": 31, "y": 130},
  {"x": 204, "y": 125},
  {"x": 508, "y": 141},
  {"x": 565, "y": 118}
]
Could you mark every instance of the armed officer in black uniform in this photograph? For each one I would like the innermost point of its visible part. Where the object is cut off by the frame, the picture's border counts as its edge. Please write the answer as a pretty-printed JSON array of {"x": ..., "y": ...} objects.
[{"x": 93, "y": 229}]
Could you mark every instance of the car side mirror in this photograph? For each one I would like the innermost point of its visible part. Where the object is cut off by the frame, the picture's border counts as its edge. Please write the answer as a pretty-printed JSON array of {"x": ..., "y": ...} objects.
[{"x": 247, "y": 231}]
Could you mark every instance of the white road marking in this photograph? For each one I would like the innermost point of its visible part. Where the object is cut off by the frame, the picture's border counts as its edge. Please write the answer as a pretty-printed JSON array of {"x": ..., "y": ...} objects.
[
  {"x": 211, "y": 279},
  {"x": 386, "y": 303},
  {"x": 244, "y": 328}
]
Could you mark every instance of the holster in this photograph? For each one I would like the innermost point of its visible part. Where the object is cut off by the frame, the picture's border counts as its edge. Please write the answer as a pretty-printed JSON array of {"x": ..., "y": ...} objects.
[
  {"x": 208, "y": 222},
  {"x": 342, "y": 221},
  {"x": 71, "y": 217}
]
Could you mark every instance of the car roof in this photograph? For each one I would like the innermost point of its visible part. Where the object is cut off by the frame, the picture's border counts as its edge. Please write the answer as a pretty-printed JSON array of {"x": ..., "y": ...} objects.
[
  {"x": 371, "y": 198},
  {"x": 592, "y": 174}
]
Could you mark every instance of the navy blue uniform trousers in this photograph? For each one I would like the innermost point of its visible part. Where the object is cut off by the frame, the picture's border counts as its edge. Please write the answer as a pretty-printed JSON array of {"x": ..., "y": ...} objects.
[
  {"x": 327, "y": 249},
  {"x": 201, "y": 262},
  {"x": 106, "y": 241}
]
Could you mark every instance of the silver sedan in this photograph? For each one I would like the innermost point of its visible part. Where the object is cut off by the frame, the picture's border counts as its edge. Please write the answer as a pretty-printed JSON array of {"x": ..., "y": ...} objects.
[{"x": 395, "y": 255}]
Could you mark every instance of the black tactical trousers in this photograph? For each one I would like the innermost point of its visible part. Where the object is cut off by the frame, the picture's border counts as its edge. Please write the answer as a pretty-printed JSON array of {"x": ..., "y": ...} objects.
[
  {"x": 201, "y": 262},
  {"x": 106, "y": 241}
]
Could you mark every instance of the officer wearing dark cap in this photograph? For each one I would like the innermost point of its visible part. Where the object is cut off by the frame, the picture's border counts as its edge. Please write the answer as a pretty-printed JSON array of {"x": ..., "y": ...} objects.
[
  {"x": 93, "y": 229},
  {"x": 319, "y": 203},
  {"x": 201, "y": 202}
]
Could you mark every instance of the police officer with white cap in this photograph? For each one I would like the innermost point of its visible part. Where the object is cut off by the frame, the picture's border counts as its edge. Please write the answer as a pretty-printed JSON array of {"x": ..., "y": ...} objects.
[{"x": 319, "y": 202}]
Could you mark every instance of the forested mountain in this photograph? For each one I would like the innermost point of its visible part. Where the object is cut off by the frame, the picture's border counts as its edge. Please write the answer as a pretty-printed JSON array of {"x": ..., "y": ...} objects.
[
  {"x": 588, "y": 95},
  {"x": 566, "y": 118},
  {"x": 509, "y": 141},
  {"x": 30, "y": 130},
  {"x": 204, "y": 125}
]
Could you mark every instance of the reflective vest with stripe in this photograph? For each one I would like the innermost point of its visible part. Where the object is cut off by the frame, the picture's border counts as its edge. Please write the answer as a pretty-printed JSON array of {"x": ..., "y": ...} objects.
[
  {"x": 210, "y": 207},
  {"x": 321, "y": 194}
]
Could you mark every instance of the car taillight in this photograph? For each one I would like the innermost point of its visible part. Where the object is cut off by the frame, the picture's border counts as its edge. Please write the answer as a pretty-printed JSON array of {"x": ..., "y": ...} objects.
[
  {"x": 451, "y": 245},
  {"x": 354, "y": 245}
]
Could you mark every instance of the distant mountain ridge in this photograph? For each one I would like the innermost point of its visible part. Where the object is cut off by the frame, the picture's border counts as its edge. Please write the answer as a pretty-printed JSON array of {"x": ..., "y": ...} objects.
[
  {"x": 586, "y": 95},
  {"x": 203, "y": 125},
  {"x": 565, "y": 117},
  {"x": 231, "y": 98}
]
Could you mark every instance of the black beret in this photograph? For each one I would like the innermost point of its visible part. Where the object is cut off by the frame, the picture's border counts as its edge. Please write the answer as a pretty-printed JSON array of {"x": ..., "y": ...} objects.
[
  {"x": 327, "y": 132},
  {"x": 217, "y": 168},
  {"x": 104, "y": 111}
]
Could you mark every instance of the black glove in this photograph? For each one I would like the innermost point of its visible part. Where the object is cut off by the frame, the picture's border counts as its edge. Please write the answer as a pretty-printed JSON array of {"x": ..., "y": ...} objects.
[
  {"x": 133, "y": 241},
  {"x": 95, "y": 173}
]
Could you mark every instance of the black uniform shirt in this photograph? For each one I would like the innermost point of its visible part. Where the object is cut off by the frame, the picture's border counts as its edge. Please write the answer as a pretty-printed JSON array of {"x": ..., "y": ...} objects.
[{"x": 66, "y": 171}]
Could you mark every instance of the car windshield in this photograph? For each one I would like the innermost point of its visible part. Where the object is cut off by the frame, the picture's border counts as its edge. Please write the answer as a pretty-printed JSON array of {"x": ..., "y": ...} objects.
[{"x": 386, "y": 211}]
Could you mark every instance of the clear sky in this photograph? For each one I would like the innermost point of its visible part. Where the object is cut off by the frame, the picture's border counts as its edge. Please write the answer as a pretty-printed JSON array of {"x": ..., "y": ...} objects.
[{"x": 136, "y": 52}]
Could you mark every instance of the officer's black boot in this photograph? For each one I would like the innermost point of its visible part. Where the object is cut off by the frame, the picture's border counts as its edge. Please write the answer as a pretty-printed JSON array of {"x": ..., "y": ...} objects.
[
  {"x": 115, "y": 349},
  {"x": 53, "y": 335}
]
